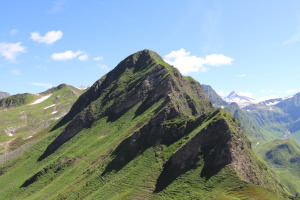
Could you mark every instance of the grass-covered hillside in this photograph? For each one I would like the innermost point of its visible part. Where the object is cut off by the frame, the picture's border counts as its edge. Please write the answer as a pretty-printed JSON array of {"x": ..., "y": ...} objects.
[
  {"x": 22, "y": 116},
  {"x": 284, "y": 158},
  {"x": 143, "y": 131}
]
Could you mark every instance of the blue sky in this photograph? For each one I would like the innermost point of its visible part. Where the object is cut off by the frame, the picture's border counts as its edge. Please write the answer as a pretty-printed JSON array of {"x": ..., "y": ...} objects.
[{"x": 246, "y": 46}]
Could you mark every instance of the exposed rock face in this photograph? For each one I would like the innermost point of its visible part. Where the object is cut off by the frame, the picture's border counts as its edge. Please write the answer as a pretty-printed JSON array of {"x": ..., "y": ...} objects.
[
  {"x": 144, "y": 79},
  {"x": 218, "y": 144}
]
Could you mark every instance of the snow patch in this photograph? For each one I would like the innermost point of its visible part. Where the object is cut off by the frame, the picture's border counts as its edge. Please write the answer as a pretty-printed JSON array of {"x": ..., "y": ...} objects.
[
  {"x": 54, "y": 112},
  {"x": 288, "y": 97},
  {"x": 10, "y": 134},
  {"x": 222, "y": 107},
  {"x": 40, "y": 100},
  {"x": 257, "y": 143},
  {"x": 240, "y": 99},
  {"x": 273, "y": 103},
  {"x": 49, "y": 106}
]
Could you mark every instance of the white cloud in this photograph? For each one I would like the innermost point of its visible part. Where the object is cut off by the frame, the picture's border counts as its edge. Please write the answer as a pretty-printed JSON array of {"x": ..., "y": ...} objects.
[
  {"x": 186, "y": 63},
  {"x": 46, "y": 85},
  {"x": 98, "y": 58},
  {"x": 242, "y": 75},
  {"x": 292, "y": 91},
  {"x": 267, "y": 98},
  {"x": 83, "y": 57},
  {"x": 247, "y": 94},
  {"x": 222, "y": 93},
  {"x": 11, "y": 50},
  {"x": 15, "y": 72},
  {"x": 67, "y": 55},
  {"x": 13, "y": 32},
  {"x": 49, "y": 38},
  {"x": 217, "y": 60}
]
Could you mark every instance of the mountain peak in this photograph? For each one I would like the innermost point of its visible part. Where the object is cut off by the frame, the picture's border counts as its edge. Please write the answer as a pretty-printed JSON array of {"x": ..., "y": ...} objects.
[
  {"x": 231, "y": 94},
  {"x": 141, "y": 78},
  {"x": 239, "y": 98},
  {"x": 140, "y": 60}
]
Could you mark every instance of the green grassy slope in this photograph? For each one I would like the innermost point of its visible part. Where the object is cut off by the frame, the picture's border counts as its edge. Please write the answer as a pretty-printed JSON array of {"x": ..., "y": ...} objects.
[
  {"x": 20, "y": 120},
  {"x": 284, "y": 158},
  {"x": 143, "y": 131},
  {"x": 75, "y": 171}
]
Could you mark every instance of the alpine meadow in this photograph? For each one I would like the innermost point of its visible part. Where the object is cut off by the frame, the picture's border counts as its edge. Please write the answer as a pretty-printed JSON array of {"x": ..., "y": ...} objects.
[{"x": 149, "y": 100}]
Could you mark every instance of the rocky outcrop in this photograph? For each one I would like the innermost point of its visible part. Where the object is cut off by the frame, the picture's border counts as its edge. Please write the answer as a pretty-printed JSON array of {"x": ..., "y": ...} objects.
[{"x": 140, "y": 78}]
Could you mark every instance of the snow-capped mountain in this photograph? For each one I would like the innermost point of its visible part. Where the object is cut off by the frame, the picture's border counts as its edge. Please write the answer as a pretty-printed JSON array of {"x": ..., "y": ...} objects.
[
  {"x": 240, "y": 99},
  {"x": 273, "y": 102}
]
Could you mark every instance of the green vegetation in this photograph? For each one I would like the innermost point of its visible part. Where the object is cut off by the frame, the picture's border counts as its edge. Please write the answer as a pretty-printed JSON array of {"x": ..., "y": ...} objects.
[
  {"x": 284, "y": 158},
  {"x": 20, "y": 120},
  {"x": 142, "y": 131}
]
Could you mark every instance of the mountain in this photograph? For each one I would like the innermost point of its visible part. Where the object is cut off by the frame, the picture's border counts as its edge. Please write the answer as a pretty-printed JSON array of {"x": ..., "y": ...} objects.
[
  {"x": 249, "y": 126},
  {"x": 142, "y": 131},
  {"x": 215, "y": 99},
  {"x": 240, "y": 99},
  {"x": 266, "y": 121},
  {"x": 279, "y": 116},
  {"x": 4, "y": 95},
  {"x": 24, "y": 116}
]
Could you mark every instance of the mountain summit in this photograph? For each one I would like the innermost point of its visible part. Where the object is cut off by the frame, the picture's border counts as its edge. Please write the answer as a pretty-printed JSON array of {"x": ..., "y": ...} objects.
[
  {"x": 240, "y": 99},
  {"x": 144, "y": 131}
]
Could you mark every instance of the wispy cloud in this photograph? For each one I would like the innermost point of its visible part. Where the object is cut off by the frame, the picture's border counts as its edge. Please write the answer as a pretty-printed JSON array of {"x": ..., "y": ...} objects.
[
  {"x": 292, "y": 91},
  {"x": 83, "y": 57},
  {"x": 56, "y": 6},
  {"x": 15, "y": 72},
  {"x": 46, "y": 85},
  {"x": 98, "y": 58},
  {"x": 13, "y": 32},
  {"x": 41, "y": 67},
  {"x": 242, "y": 75},
  {"x": 69, "y": 55},
  {"x": 49, "y": 38},
  {"x": 222, "y": 93},
  {"x": 247, "y": 94},
  {"x": 104, "y": 67},
  {"x": 11, "y": 50},
  {"x": 267, "y": 98},
  {"x": 294, "y": 38},
  {"x": 186, "y": 63}
]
